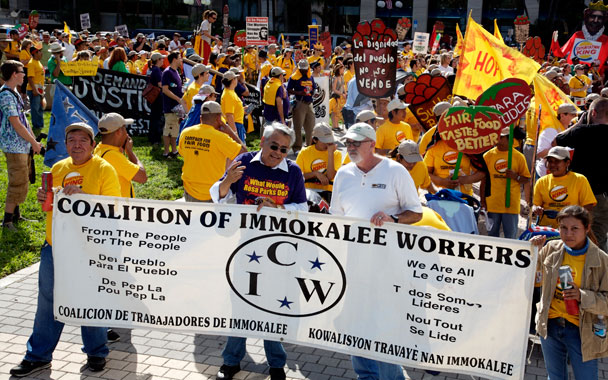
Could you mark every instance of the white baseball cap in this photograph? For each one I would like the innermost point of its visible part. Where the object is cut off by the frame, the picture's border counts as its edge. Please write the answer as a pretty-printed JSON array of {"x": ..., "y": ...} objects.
[
  {"x": 360, "y": 132},
  {"x": 396, "y": 104}
]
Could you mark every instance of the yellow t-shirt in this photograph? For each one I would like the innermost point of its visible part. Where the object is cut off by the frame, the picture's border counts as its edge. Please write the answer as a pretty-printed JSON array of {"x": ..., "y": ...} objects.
[
  {"x": 125, "y": 169},
  {"x": 139, "y": 65},
  {"x": 96, "y": 176},
  {"x": 430, "y": 218},
  {"x": 273, "y": 59},
  {"x": 420, "y": 175},
  {"x": 389, "y": 135},
  {"x": 192, "y": 90},
  {"x": 496, "y": 161},
  {"x": 555, "y": 193},
  {"x": 24, "y": 55},
  {"x": 531, "y": 123},
  {"x": 205, "y": 150},
  {"x": 579, "y": 81},
  {"x": 310, "y": 159},
  {"x": 13, "y": 48},
  {"x": 131, "y": 67},
  {"x": 287, "y": 65},
  {"x": 249, "y": 62},
  {"x": 426, "y": 139},
  {"x": 35, "y": 70},
  {"x": 312, "y": 59},
  {"x": 558, "y": 307},
  {"x": 231, "y": 103},
  {"x": 442, "y": 158},
  {"x": 348, "y": 75},
  {"x": 265, "y": 69}
]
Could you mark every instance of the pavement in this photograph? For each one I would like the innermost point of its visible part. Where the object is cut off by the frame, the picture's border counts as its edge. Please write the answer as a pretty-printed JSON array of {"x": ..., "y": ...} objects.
[{"x": 150, "y": 354}]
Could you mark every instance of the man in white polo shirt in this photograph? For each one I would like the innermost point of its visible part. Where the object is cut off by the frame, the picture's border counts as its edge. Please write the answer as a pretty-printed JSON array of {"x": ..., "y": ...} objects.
[{"x": 390, "y": 196}]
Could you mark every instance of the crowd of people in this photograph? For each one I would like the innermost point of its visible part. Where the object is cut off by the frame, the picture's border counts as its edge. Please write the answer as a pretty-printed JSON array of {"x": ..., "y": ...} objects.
[{"x": 373, "y": 160}]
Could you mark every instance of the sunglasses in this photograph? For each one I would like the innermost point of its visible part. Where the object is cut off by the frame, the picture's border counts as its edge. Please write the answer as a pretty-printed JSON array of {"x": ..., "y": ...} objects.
[
  {"x": 281, "y": 149},
  {"x": 356, "y": 144}
]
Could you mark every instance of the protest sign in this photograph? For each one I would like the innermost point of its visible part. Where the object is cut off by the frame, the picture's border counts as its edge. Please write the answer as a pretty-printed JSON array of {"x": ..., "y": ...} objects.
[
  {"x": 257, "y": 30},
  {"x": 114, "y": 91},
  {"x": 511, "y": 97},
  {"x": 585, "y": 50},
  {"x": 85, "y": 21},
  {"x": 313, "y": 35},
  {"x": 403, "y": 26},
  {"x": 122, "y": 30},
  {"x": 470, "y": 130},
  {"x": 240, "y": 38},
  {"x": 320, "y": 100},
  {"x": 421, "y": 43},
  {"x": 423, "y": 94},
  {"x": 67, "y": 109},
  {"x": 85, "y": 68},
  {"x": 254, "y": 98},
  {"x": 316, "y": 280},
  {"x": 325, "y": 40},
  {"x": 375, "y": 56},
  {"x": 33, "y": 19}
]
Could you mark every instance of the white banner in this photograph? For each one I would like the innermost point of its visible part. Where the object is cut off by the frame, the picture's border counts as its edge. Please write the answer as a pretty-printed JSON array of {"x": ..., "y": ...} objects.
[
  {"x": 257, "y": 30},
  {"x": 409, "y": 295},
  {"x": 320, "y": 100},
  {"x": 122, "y": 30},
  {"x": 420, "y": 44}
]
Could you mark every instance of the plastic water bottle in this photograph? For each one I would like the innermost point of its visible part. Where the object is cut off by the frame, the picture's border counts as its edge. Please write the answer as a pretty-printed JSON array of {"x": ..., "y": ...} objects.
[{"x": 599, "y": 327}]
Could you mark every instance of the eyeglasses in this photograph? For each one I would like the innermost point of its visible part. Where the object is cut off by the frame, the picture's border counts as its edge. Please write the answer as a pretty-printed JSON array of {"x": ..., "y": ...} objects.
[
  {"x": 281, "y": 149},
  {"x": 356, "y": 144},
  {"x": 20, "y": 72}
]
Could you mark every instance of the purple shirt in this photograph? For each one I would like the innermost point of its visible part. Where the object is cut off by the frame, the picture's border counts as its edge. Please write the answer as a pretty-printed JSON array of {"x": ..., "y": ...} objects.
[{"x": 172, "y": 79}]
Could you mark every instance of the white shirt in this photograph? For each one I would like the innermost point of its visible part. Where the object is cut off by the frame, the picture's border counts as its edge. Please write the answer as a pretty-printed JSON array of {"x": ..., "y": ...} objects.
[
  {"x": 388, "y": 187},
  {"x": 544, "y": 142},
  {"x": 206, "y": 26},
  {"x": 174, "y": 45},
  {"x": 69, "y": 51},
  {"x": 445, "y": 71}
]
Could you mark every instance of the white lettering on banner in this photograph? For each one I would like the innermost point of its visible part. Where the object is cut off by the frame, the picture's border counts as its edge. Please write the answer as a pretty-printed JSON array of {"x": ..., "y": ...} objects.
[{"x": 408, "y": 295}]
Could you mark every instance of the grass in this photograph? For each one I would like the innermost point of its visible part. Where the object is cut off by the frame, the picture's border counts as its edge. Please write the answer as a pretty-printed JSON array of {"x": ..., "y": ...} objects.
[{"x": 20, "y": 249}]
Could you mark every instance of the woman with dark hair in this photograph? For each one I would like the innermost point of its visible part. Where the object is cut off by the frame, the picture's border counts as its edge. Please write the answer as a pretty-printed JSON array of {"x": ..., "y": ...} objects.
[
  {"x": 117, "y": 60},
  {"x": 232, "y": 106},
  {"x": 156, "y": 108},
  {"x": 570, "y": 317}
]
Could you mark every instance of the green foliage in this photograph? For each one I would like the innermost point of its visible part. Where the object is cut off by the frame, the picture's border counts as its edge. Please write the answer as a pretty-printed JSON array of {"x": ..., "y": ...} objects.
[{"x": 20, "y": 249}]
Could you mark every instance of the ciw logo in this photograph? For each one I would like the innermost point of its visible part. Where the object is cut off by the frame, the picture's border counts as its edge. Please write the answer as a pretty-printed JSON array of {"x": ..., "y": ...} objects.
[{"x": 286, "y": 275}]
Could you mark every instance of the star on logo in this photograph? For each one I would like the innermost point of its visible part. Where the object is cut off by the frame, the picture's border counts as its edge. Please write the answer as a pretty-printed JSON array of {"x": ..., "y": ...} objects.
[
  {"x": 284, "y": 302},
  {"x": 50, "y": 144},
  {"x": 254, "y": 257},
  {"x": 316, "y": 264},
  {"x": 67, "y": 105}
]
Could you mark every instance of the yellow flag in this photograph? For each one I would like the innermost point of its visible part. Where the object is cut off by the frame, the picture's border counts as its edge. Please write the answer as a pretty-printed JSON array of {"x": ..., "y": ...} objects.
[
  {"x": 497, "y": 32},
  {"x": 459, "y": 42},
  {"x": 66, "y": 29},
  {"x": 198, "y": 45},
  {"x": 550, "y": 97},
  {"x": 485, "y": 61}
]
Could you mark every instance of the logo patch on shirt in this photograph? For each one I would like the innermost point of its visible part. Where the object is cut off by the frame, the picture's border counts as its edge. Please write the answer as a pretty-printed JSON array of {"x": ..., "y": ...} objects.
[
  {"x": 378, "y": 186},
  {"x": 450, "y": 157},
  {"x": 500, "y": 165},
  {"x": 318, "y": 165},
  {"x": 400, "y": 136},
  {"x": 559, "y": 193},
  {"x": 73, "y": 178}
]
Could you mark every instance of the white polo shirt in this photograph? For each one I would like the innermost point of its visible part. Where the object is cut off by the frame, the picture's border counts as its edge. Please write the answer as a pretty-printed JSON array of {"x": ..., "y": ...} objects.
[{"x": 388, "y": 187}]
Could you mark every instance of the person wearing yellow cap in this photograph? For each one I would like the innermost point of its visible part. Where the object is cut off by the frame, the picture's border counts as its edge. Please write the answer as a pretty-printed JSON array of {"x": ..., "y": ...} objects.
[
  {"x": 35, "y": 86},
  {"x": 317, "y": 56}
]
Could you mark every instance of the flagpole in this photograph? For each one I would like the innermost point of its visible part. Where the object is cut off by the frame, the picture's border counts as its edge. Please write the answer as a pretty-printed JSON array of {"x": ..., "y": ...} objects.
[{"x": 509, "y": 160}]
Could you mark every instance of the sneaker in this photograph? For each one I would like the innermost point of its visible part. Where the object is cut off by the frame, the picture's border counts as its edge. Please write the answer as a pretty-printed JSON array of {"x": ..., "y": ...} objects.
[
  {"x": 277, "y": 374},
  {"x": 27, "y": 367},
  {"x": 167, "y": 156},
  {"x": 226, "y": 372},
  {"x": 9, "y": 226},
  {"x": 174, "y": 154},
  {"x": 96, "y": 363},
  {"x": 19, "y": 218},
  {"x": 113, "y": 336}
]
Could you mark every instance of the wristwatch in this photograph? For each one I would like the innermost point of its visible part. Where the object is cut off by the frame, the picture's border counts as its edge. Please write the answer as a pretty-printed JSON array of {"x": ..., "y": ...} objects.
[{"x": 395, "y": 218}]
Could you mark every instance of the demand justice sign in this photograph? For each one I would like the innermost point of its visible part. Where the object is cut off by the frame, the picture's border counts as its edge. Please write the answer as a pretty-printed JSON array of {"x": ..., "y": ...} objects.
[{"x": 408, "y": 295}]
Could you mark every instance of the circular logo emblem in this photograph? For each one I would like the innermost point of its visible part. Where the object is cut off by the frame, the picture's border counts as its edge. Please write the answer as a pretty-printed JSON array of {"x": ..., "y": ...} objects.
[
  {"x": 286, "y": 275},
  {"x": 318, "y": 165},
  {"x": 585, "y": 50},
  {"x": 400, "y": 136},
  {"x": 559, "y": 193},
  {"x": 73, "y": 178},
  {"x": 450, "y": 157},
  {"x": 500, "y": 165}
]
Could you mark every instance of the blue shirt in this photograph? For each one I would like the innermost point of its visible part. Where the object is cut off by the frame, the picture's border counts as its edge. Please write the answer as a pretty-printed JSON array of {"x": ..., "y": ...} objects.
[
  {"x": 299, "y": 83},
  {"x": 171, "y": 79},
  {"x": 354, "y": 104},
  {"x": 11, "y": 104}
]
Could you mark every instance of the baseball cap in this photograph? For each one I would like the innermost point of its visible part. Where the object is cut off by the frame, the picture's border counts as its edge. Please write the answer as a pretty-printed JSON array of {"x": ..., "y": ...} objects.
[
  {"x": 604, "y": 91},
  {"x": 580, "y": 66},
  {"x": 195, "y": 58},
  {"x": 505, "y": 131},
  {"x": 80, "y": 127},
  {"x": 236, "y": 70},
  {"x": 156, "y": 56},
  {"x": 366, "y": 116},
  {"x": 401, "y": 90},
  {"x": 229, "y": 75},
  {"x": 440, "y": 108},
  {"x": 566, "y": 108},
  {"x": 112, "y": 122},
  {"x": 211, "y": 107},
  {"x": 396, "y": 104},
  {"x": 303, "y": 64},
  {"x": 410, "y": 151},
  {"x": 559, "y": 152},
  {"x": 132, "y": 53},
  {"x": 591, "y": 97},
  {"x": 551, "y": 74},
  {"x": 198, "y": 69},
  {"x": 323, "y": 132},
  {"x": 360, "y": 131},
  {"x": 276, "y": 72}
]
